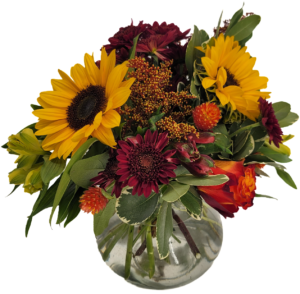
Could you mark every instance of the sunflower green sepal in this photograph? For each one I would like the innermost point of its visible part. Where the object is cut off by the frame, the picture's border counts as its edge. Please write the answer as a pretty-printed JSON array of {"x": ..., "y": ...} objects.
[{"x": 25, "y": 143}]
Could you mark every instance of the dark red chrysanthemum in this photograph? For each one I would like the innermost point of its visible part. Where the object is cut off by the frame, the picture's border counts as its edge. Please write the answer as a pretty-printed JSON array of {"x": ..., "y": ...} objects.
[
  {"x": 142, "y": 165},
  {"x": 106, "y": 177},
  {"x": 270, "y": 122}
]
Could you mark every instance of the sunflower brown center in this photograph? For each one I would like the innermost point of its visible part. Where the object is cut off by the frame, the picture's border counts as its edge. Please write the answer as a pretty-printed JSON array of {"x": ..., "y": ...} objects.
[
  {"x": 231, "y": 80},
  {"x": 85, "y": 106}
]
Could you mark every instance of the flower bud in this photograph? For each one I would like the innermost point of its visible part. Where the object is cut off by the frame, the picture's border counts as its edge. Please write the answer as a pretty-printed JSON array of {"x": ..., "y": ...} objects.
[
  {"x": 17, "y": 176},
  {"x": 33, "y": 181},
  {"x": 25, "y": 143}
]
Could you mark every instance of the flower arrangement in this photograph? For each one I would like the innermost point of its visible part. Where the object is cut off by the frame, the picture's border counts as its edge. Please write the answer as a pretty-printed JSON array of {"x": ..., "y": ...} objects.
[{"x": 164, "y": 121}]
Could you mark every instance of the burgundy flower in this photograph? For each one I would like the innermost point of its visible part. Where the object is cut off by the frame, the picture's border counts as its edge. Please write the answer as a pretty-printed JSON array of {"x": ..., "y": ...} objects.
[
  {"x": 142, "y": 165},
  {"x": 106, "y": 177},
  {"x": 270, "y": 122},
  {"x": 196, "y": 163}
]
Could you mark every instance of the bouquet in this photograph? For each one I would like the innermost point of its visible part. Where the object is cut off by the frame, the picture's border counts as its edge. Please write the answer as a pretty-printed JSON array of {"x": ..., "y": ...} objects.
[{"x": 165, "y": 123}]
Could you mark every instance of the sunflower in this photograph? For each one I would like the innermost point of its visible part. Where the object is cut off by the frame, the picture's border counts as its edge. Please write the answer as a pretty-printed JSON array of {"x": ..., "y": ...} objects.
[
  {"x": 84, "y": 106},
  {"x": 230, "y": 68}
]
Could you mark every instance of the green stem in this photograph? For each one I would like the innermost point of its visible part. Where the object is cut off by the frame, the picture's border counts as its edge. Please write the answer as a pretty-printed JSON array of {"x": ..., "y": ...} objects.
[
  {"x": 176, "y": 238},
  {"x": 129, "y": 252},
  {"x": 112, "y": 233},
  {"x": 114, "y": 242},
  {"x": 150, "y": 252},
  {"x": 246, "y": 128},
  {"x": 139, "y": 235},
  {"x": 211, "y": 221},
  {"x": 211, "y": 225}
]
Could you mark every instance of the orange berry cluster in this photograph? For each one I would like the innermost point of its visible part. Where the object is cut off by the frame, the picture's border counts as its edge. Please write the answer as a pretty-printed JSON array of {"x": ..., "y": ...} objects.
[
  {"x": 177, "y": 131},
  {"x": 150, "y": 91},
  {"x": 206, "y": 116},
  {"x": 93, "y": 200}
]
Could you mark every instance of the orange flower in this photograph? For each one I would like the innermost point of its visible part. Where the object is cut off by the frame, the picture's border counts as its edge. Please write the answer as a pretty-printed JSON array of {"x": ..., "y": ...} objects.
[
  {"x": 244, "y": 192},
  {"x": 206, "y": 116},
  {"x": 238, "y": 191},
  {"x": 93, "y": 200}
]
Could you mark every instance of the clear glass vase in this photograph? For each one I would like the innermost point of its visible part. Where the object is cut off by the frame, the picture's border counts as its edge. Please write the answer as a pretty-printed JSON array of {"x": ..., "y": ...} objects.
[{"x": 182, "y": 266}]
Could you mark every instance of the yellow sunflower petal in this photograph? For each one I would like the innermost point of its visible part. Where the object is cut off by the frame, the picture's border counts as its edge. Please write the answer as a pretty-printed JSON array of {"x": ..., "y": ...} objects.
[
  {"x": 43, "y": 103},
  {"x": 78, "y": 73},
  {"x": 119, "y": 96},
  {"x": 97, "y": 120},
  {"x": 57, "y": 137},
  {"x": 115, "y": 78},
  {"x": 222, "y": 97},
  {"x": 68, "y": 80},
  {"x": 51, "y": 101},
  {"x": 105, "y": 136},
  {"x": 82, "y": 141},
  {"x": 128, "y": 83},
  {"x": 222, "y": 76},
  {"x": 53, "y": 127},
  {"x": 91, "y": 68},
  {"x": 106, "y": 66},
  {"x": 210, "y": 66},
  {"x": 89, "y": 130},
  {"x": 80, "y": 134},
  {"x": 65, "y": 146},
  {"x": 111, "y": 119},
  {"x": 63, "y": 87},
  {"x": 42, "y": 124},
  {"x": 50, "y": 113},
  {"x": 208, "y": 82}
]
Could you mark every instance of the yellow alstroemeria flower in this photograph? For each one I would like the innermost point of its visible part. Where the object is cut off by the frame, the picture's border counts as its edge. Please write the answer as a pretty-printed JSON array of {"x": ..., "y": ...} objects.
[
  {"x": 283, "y": 149},
  {"x": 83, "y": 106}
]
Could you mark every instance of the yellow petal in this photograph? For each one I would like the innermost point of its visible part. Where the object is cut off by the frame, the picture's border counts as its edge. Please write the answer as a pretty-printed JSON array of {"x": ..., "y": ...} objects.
[
  {"x": 42, "y": 124},
  {"x": 89, "y": 130},
  {"x": 128, "y": 83},
  {"x": 210, "y": 66},
  {"x": 65, "y": 146},
  {"x": 68, "y": 80},
  {"x": 43, "y": 103},
  {"x": 78, "y": 73},
  {"x": 63, "y": 87},
  {"x": 106, "y": 66},
  {"x": 82, "y": 141},
  {"x": 80, "y": 134},
  {"x": 97, "y": 120},
  {"x": 50, "y": 113},
  {"x": 105, "y": 136},
  {"x": 57, "y": 137},
  {"x": 115, "y": 78},
  {"x": 222, "y": 76},
  {"x": 54, "y": 100},
  {"x": 208, "y": 82},
  {"x": 53, "y": 127},
  {"x": 91, "y": 68},
  {"x": 111, "y": 119},
  {"x": 222, "y": 97},
  {"x": 119, "y": 96}
]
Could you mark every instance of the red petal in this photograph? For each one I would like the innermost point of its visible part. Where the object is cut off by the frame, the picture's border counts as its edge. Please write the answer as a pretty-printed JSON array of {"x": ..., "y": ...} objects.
[
  {"x": 139, "y": 139},
  {"x": 164, "y": 180},
  {"x": 133, "y": 181},
  {"x": 148, "y": 136}
]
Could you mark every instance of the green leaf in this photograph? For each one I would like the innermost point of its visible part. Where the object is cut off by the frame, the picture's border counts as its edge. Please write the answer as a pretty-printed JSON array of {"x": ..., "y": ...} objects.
[
  {"x": 244, "y": 27},
  {"x": 164, "y": 229},
  {"x": 65, "y": 179},
  {"x": 205, "y": 181},
  {"x": 154, "y": 119},
  {"x": 134, "y": 209},
  {"x": 290, "y": 119},
  {"x": 52, "y": 168},
  {"x": 258, "y": 158},
  {"x": 244, "y": 41},
  {"x": 220, "y": 129},
  {"x": 132, "y": 50},
  {"x": 180, "y": 170},
  {"x": 86, "y": 169},
  {"x": 101, "y": 219},
  {"x": 286, "y": 177},
  {"x": 174, "y": 191},
  {"x": 240, "y": 141},
  {"x": 281, "y": 110},
  {"x": 274, "y": 164},
  {"x": 35, "y": 107},
  {"x": 14, "y": 189},
  {"x": 282, "y": 158},
  {"x": 233, "y": 21},
  {"x": 74, "y": 208},
  {"x": 65, "y": 202},
  {"x": 218, "y": 27},
  {"x": 193, "y": 204},
  {"x": 265, "y": 196},
  {"x": 246, "y": 150},
  {"x": 96, "y": 149},
  {"x": 191, "y": 55}
]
